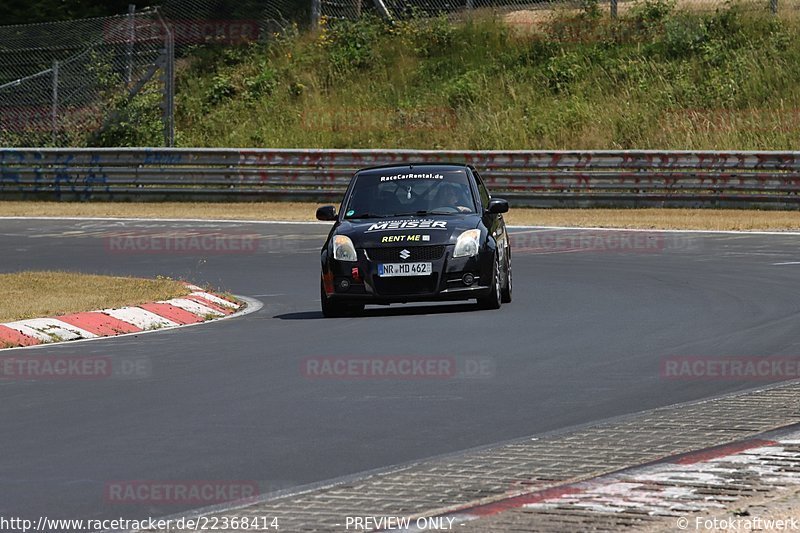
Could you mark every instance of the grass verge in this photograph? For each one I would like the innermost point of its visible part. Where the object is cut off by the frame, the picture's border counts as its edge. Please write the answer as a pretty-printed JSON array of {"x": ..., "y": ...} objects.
[
  {"x": 650, "y": 218},
  {"x": 661, "y": 76},
  {"x": 35, "y": 294}
]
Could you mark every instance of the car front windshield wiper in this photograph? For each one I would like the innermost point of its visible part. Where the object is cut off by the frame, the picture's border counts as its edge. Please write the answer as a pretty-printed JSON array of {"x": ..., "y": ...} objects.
[{"x": 435, "y": 212}]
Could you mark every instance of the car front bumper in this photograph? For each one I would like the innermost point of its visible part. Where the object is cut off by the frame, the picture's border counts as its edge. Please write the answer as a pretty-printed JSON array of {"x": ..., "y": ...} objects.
[{"x": 358, "y": 281}]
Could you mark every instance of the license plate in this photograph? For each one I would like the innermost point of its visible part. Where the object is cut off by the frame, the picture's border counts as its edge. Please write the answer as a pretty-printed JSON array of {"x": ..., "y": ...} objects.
[{"x": 388, "y": 270}]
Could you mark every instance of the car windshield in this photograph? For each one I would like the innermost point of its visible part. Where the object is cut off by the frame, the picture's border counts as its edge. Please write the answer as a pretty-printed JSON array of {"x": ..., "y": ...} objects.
[{"x": 410, "y": 192}]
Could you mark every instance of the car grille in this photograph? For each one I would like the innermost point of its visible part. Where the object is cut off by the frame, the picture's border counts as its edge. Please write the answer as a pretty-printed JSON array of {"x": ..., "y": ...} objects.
[
  {"x": 397, "y": 286},
  {"x": 418, "y": 253}
]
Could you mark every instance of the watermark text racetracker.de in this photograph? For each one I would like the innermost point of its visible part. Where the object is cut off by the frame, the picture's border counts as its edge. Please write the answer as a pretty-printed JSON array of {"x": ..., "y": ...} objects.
[
  {"x": 202, "y": 523},
  {"x": 543, "y": 241},
  {"x": 206, "y": 243},
  {"x": 184, "y": 31},
  {"x": 397, "y": 367},
  {"x": 40, "y": 118},
  {"x": 730, "y": 368},
  {"x": 188, "y": 242},
  {"x": 180, "y": 492},
  {"x": 73, "y": 368}
]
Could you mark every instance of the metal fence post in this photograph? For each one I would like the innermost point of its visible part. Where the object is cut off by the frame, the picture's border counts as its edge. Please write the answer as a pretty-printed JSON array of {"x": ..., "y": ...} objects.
[
  {"x": 130, "y": 39},
  {"x": 54, "y": 117},
  {"x": 773, "y": 6},
  {"x": 169, "y": 126},
  {"x": 167, "y": 65},
  {"x": 614, "y": 9},
  {"x": 380, "y": 5},
  {"x": 316, "y": 14}
]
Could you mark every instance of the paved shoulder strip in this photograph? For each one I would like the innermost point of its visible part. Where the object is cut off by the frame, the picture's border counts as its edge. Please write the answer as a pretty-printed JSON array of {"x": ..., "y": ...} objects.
[
  {"x": 680, "y": 491},
  {"x": 199, "y": 306},
  {"x": 492, "y": 489}
]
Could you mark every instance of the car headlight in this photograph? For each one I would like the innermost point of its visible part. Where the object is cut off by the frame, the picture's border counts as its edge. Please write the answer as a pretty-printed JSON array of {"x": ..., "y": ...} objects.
[
  {"x": 343, "y": 248},
  {"x": 468, "y": 243}
]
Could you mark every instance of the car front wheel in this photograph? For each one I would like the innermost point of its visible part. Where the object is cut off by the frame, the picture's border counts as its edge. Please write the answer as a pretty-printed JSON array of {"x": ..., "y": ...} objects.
[
  {"x": 334, "y": 309},
  {"x": 494, "y": 298},
  {"x": 506, "y": 293}
]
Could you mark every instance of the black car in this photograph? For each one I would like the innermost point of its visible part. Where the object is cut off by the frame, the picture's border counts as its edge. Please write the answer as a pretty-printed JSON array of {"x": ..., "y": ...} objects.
[{"x": 420, "y": 232}]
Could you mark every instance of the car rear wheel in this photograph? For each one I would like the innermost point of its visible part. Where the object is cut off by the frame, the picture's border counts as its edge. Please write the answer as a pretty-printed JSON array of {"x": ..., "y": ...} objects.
[{"x": 494, "y": 298}]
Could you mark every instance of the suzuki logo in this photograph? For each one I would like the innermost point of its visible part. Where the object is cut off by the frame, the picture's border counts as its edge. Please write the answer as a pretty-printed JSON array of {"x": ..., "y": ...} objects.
[{"x": 405, "y": 254}]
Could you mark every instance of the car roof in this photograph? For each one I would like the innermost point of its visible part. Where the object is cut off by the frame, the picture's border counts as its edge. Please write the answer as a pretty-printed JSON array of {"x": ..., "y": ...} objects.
[{"x": 422, "y": 166}]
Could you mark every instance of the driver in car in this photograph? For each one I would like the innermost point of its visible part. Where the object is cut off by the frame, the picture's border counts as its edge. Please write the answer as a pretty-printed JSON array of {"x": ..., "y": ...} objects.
[{"x": 450, "y": 196}]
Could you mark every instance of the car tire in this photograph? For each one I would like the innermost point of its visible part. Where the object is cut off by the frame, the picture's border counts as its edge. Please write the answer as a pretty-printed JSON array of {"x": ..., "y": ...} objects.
[
  {"x": 494, "y": 298},
  {"x": 333, "y": 309},
  {"x": 330, "y": 309},
  {"x": 505, "y": 294}
]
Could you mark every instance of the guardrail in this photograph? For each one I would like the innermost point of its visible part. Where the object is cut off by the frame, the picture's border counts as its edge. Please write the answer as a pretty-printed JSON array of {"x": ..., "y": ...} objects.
[{"x": 535, "y": 178}]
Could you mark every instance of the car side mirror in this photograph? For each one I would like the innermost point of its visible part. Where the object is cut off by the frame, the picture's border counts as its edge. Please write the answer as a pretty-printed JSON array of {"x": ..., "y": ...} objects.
[
  {"x": 326, "y": 212},
  {"x": 497, "y": 206}
]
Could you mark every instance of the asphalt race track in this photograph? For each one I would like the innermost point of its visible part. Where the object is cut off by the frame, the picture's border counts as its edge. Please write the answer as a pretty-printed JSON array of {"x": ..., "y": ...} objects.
[{"x": 585, "y": 339}]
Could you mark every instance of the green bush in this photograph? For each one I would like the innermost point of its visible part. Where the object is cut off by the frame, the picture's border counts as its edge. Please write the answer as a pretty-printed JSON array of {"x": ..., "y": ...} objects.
[
  {"x": 462, "y": 91},
  {"x": 683, "y": 36},
  {"x": 562, "y": 71},
  {"x": 426, "y": 37},
  {"x": 648, "y": 14},
  {"x": 221, "y": 89},
  {"x": 351, "y": 45},
  {"x": 262, "y": 84},
  {"x": 134, "y": 122}
]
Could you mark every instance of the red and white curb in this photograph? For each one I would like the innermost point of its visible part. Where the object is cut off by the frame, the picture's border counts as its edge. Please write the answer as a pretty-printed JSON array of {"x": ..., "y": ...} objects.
[
  {"x": 704, "y": 481},
  {"x": 197, "y": 307}
]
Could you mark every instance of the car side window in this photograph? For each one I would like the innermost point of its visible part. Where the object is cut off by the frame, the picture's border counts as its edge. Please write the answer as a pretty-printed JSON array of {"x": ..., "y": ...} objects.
[{"x": 482, "y": 190}]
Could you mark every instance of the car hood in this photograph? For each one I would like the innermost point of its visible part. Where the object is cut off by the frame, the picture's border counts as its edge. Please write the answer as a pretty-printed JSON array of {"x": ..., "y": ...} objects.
[{"x": 408, "y": 231}]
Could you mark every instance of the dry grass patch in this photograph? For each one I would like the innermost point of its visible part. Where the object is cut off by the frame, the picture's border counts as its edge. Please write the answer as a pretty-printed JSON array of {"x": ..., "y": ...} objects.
[
  {"x": 700, "y": 219},
  {"x": 653, "y": 218},
  {"x": 294, "y": 211},
  {"x": 42, "y": 294}
]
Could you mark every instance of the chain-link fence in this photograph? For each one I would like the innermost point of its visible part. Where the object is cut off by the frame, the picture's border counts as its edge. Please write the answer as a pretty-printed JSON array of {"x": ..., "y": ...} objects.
[
  {"x": 81, "y": 82},
  {"x": 61, "y": 82},
  {"x": 529, "y": 11}
]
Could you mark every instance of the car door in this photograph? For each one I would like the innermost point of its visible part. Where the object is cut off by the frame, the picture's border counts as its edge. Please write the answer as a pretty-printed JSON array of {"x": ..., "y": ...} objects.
[{"x": 495, "y": 223}]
